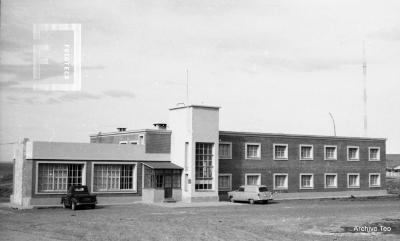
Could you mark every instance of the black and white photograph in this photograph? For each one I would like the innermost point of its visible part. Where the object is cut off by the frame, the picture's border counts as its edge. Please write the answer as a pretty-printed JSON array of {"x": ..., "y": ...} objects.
[{"x": 200, "y": 120}]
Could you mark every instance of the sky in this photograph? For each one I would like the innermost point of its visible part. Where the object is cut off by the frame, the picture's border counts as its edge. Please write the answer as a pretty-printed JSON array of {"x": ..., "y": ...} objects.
[{"x": 273, "y": 66}]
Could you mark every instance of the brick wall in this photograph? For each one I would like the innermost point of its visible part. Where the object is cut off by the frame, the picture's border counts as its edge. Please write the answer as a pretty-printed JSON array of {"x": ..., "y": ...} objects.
[
  {"x": 238, "y": 166},
  {"x": 158, "y": 142}
]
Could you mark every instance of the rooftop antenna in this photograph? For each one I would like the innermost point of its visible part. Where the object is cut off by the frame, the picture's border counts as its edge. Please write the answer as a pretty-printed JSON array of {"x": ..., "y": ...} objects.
[
  {"x": 364, "y": 66},
  {"x": 187, "y": 86}
]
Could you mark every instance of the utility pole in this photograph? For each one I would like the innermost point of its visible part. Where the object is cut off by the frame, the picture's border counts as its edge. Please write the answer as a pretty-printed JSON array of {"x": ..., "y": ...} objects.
[
  {"x": 364, "y": 66},
  {"x": 334, "y": 125},
  {"x": 187, "y": 86}
]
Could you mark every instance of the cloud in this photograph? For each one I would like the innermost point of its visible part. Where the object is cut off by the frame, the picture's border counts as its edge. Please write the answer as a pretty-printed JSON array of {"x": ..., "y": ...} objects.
[
  {"x": 77, "y": 96},
  {"x": 5, "y": 84},
  {"x": 23, "y": 73},
  {"x": 23, "y": 95},
  {"x": 119, "y": 93},
  {"x": 299, "y": 63},
  {"x": 388, "y": 34}
]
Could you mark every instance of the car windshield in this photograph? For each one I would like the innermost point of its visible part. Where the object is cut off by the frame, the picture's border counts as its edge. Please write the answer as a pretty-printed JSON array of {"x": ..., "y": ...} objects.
[{"x": 263, "y": 189}]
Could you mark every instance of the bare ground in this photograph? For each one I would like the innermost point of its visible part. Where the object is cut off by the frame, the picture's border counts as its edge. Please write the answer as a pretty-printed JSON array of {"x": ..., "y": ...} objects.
[{"x": 288, "y": 220}]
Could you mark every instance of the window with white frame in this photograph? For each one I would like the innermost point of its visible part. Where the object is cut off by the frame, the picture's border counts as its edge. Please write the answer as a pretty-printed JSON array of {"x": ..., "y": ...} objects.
[
  {"x": 225, "y": 150},
  {"x": 253, "y": 150},
  {"x": 133, "y": 142},
  {"x": 225, "y": 181},
  {"x": 306, "y": 181},
  {"x": 306, "y": 152},
  {"x": 253, "y": 179},
  {"x": 123, "y": 142},
  {"x": 57, "y": 177},
  {"x": 112, "y": 177},
  {"x": 374, "y": 180},
  {"x": 374, "y": 153},
  {"x": 280, "y": 181},
  {"x": 204, "y": 166},
  {"x": 330, "y": 180},
  {"x": 353, "y": 180},
  {"x": 353, "y": 153},
  {"x": 280, "y": 151},
  {"x": 330, "y": 152}
]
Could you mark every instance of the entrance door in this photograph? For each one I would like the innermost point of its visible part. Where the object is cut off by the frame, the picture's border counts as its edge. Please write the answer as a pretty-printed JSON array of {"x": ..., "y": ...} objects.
[{"x": 167, "y": 186}]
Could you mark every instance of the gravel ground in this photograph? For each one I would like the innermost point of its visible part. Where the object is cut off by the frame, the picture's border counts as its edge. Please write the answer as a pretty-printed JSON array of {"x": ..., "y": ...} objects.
[{"x": 286, "y": 220}]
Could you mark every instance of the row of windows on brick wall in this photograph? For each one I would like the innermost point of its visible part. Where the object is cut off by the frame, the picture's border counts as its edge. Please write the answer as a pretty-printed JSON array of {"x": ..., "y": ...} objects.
[
  {"x": 306, "y": 180},
  {"x": 306, "y": 152}
]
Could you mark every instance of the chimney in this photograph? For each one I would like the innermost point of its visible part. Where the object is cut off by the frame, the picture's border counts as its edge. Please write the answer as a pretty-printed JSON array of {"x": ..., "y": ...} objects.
[
  {"x": 160, "y": 126},
  {"x": 121, "y": 129}
]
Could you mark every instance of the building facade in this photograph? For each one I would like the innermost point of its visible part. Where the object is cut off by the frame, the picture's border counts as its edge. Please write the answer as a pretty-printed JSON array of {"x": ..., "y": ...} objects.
[
  {"x": 193, "y": 160},
  {"x": 298, "y": 163}
]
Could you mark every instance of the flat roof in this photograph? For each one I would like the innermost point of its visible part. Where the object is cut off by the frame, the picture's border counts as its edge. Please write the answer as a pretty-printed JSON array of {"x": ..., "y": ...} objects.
[
  {"x": 244, "y": 133},
  {"x": 41, "y": 150},
  {"x": 130, "y": 132},
  {"x": 162, "y": 165},
  {"x": 195, "y": 106}
]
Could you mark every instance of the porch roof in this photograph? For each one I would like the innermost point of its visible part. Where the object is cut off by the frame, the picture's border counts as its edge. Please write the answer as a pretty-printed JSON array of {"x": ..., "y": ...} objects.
[{"x": 162, "y": 165}]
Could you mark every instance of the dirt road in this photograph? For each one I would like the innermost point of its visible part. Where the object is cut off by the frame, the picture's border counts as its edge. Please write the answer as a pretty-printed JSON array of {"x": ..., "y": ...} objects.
[{"x": 288, "y": 220}]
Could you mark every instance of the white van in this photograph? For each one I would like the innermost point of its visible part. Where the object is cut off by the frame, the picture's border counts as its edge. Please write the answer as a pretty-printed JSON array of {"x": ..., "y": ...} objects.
[{"x": 251, "y": 193}]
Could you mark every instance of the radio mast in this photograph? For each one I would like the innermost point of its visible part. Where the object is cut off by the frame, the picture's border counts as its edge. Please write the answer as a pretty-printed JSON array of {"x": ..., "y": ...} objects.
[{"x": 364, "y": 66}]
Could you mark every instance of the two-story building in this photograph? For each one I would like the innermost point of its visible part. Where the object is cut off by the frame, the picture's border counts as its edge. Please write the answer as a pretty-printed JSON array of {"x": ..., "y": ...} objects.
[{"x": 193, "y": 160}]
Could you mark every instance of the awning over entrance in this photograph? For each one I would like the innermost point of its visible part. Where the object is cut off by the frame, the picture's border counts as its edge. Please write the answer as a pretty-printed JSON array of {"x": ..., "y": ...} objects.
[{"x": 162, "y": 165}]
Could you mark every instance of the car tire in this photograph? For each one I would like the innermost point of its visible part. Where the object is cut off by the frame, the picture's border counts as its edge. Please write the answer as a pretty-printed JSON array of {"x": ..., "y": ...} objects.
[
  {"x": 231, "y": 199},
  {"x": 73, "y": 206},
  {"x": 251, "y": 201},
  {"x": 64, "y": 205}
]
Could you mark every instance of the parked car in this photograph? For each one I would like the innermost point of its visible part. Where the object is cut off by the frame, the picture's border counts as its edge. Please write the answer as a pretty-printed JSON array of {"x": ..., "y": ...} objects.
[
  {"x": 251, "y": 193},
  {"x": 78, "y": 195}
]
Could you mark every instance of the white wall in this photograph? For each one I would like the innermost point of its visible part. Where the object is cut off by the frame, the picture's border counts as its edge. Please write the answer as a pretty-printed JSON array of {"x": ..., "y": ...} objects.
[{"x": 194, "y": 124}]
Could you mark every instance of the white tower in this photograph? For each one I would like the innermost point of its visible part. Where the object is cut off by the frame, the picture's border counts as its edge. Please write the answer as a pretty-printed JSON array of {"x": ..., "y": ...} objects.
[{"x": 194, "y": 146}]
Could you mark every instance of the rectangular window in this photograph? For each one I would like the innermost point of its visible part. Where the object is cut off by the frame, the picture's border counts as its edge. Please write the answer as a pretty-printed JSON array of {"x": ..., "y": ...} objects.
[
  {"x": 57, "y": 177},
  {"x": 330, "y": 152},
  {"x": 186, "y": 155},
  {"x": 225, "y": 150},
  {"x": 253, "y": 179},
  {"x": 225, "y": 182},
  {"x": 330, "y": 180},
  {"x": 133, "y": 142},
  {"x": 306, "y": 152},
  {"x": 374, "y": 154},
  {"x": 176, "y": 178},
  {"x": 353, "y": 180},
  {"x": 280, "y": 151},
  {"x": 306, "y": 181},
  {"x": 253, "y": 150},
  {"x": 204, "y": 166},
  {"x": 141, "y": 139},
  {"x": 114, "y": 177},
  {"x": 123, "y": 142},
  {"x": 280, "y": 181},
  {"x": 353, "y": 153},
  {"x": 374, "y": 180}
]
